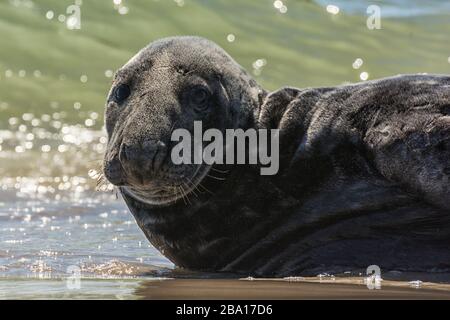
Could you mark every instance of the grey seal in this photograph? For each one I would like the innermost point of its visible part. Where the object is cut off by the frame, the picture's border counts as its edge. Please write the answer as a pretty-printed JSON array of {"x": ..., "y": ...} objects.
[{"x": 364, "y": 168}]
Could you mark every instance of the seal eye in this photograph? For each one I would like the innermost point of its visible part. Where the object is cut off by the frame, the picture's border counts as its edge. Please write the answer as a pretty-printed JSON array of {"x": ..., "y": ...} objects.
[
  {"x": 199, "y": 97},
  {"x": 122, "y": 92}
]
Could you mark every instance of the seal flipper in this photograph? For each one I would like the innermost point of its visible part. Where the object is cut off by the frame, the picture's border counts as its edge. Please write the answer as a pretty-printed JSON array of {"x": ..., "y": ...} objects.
[{"x": 416, "y": 154}]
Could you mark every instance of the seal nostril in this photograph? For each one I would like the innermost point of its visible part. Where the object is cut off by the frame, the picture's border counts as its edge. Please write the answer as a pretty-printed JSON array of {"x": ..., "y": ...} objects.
[
  {"x": 145, "y": 158},
  {"x": 129, "y": 153},
  {"x": 160, "y": 155},
  {"x": 149, "y": 146},
  {"x": 155, "y": 153},
  {"x": 113, "y": 172},
  {"x": 150, "y": 149}
]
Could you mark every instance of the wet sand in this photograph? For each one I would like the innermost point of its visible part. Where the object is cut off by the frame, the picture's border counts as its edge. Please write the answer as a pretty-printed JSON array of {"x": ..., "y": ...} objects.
[
  {"x": 52, "y": 141},
  {"x": 265, "y": 289}
]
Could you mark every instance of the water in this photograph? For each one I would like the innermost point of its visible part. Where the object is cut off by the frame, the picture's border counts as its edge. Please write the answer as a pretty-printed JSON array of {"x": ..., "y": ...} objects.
[
  {"x": 53, "y": 82},
  {"x": 43, "y": 240},
  {"x": 392, "y": 8}
]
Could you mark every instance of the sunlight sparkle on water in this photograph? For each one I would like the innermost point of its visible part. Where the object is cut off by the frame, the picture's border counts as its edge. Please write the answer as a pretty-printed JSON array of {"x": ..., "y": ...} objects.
[
  {"x": 280, "y": 6},
  {"x": 333, "y": 9},
  {"x": 120, "y": 7},
  {"x": 72, "y": 22},
  {"x": 179, "y": 3},
  {"x": 231, "y": 37},
  {"x": 49, "y": 15},
  {"x": 109, "y": 73},
  {"x": 123, "y": 10},
  {"x": 364, "y": 76},
  {"x": 258, "y": 66},
  {"x": 57, "y": 149}
]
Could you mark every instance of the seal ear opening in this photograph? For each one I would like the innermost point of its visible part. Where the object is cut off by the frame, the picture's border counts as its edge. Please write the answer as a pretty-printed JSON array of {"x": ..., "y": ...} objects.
[{"x": 245, "y": 97}]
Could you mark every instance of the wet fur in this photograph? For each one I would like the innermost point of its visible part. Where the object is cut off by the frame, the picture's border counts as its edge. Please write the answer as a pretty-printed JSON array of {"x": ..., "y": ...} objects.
[{"x": 364, "y": 177}]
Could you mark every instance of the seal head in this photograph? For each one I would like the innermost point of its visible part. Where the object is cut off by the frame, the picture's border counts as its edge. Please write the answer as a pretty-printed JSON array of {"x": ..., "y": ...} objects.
[{"x": 168, "y": 85}]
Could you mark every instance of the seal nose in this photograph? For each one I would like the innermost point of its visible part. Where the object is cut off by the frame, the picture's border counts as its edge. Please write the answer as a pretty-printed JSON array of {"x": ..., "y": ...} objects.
[
  {"x": 147, "y": 156},
  {"x": 113, "y": 172},
  {"x": 130, "y": 153}
]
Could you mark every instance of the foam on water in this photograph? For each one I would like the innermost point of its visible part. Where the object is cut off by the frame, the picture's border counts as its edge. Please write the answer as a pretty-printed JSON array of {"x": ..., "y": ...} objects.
[
  {"x": 42, "y": 238},
  {"x": 51, "y": 216}
]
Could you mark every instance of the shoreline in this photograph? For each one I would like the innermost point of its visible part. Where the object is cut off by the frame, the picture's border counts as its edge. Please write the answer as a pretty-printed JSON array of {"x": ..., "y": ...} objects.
[
  {"x": 295, "y": 288},
  {"x": 272, "y": 289}
]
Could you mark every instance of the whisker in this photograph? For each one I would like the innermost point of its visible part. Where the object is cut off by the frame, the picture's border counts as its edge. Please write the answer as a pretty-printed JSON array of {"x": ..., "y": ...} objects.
[
  {"x": 220, "y": 171},
  {"x": 217, "y": 178},
  {"x": 174, "y": 190},
  {"x": 102, "y": 184},
  {"x": 95, "y": 160},
  {"x": 182, "y": 195},
  {"x": 186, "y": 195},
  {"x": 178, "y": 191},
  {"x": 194, "y": 186},
  {"x": 204, "y": 188},
  {"x": 173, "y": 125},
  {"x": 193, "y": 191}
]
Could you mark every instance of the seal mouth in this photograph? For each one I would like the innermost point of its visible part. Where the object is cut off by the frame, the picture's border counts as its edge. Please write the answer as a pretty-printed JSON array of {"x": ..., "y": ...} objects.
[{"x": 170, "y": 193}]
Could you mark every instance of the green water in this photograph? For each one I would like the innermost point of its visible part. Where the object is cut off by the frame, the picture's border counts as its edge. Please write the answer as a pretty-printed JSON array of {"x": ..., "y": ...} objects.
[
  {"x": 53, "y": 83},
  {"x": 306, "y": 46}
]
